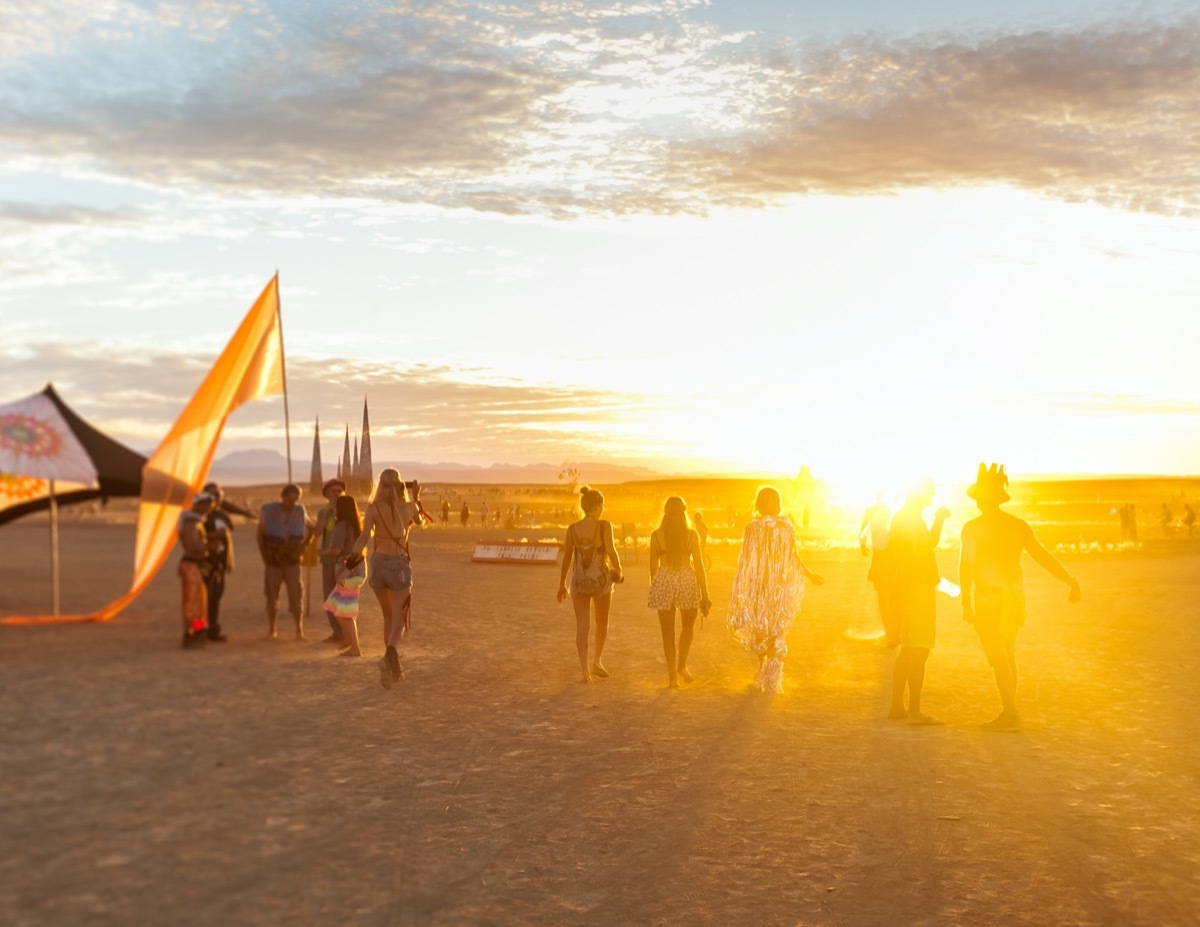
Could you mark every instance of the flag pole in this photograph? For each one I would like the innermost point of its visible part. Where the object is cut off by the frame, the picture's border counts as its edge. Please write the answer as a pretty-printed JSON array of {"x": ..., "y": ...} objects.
[
  {"x": 287, "y": 423},
  {"x": 54, "y": 550}
]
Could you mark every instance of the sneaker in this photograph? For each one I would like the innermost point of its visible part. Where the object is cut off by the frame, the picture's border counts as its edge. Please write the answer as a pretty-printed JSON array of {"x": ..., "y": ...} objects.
[{"x": 385, "y": 673}]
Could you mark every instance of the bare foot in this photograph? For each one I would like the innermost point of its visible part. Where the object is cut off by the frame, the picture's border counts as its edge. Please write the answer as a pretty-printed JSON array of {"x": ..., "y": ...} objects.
[
  {"x": 673, "y": 684},
  {"x": 920, "y": 720},
  {"x": 898, "y": 713},
  {"x": 301, "y": 638},
  {"x": 1002, "y": 723},
  {"x": 599, "y": 670},
  {"x": 271, "y": 636},
  {"x": 685, "y": 675},
  {"x": 586, "y": 679}
]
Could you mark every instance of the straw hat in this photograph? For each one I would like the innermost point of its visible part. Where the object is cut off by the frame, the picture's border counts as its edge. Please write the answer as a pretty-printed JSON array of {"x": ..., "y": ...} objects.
[{"x": 989, "y": 484}]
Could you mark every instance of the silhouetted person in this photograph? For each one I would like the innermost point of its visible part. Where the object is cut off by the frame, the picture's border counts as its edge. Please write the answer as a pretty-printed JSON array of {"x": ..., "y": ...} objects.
[
  {"x": 1189, "y": 518},
  {"x": 911, "y": 547},
  {"x": 465, "y": 515},
  {"x": 1167, "y": 519},
  {"x": 590, "y": 558},
  {"x": 194, "y": 598},
  {"x": 874, "y": 534},
  {"x": 993, "y": 593},
  {"x": 701, "y": 527},
  {"x": 218, "y": 535}
]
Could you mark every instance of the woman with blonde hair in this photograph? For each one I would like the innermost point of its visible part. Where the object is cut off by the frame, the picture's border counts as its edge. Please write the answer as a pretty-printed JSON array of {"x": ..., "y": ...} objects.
[
  {"x": 590, "y": 556},
  {"x": 389, "y": 517},
  {"x": 677, "y": 581},
  {"x": 768, "y": 588}
]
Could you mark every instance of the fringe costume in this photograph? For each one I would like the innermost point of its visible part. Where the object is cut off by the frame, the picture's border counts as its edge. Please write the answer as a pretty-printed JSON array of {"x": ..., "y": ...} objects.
[{"x": 767, "y": 591}]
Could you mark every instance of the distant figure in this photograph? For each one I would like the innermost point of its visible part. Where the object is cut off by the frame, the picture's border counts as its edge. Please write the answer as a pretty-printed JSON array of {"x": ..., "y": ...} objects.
[
  {"x": 342, "y": 601},
  {"x": 590, "y": 556},
  {"x": 1129, "y": 523},
  {"x": 677, "y": 581},
  {"x": 874, "y": 534},
  {"x": 702, "y": 532},
  {"x": 283, "y": 533},
  {"x": 768, "y": 588},
  {"x": 1189, "y": 518},
  {"x": 914, "y": 570},
  {"x": 445, "y": 513},
  {"x": 325, "y": 520},
  {"x": 993, "y": 593},
  {"x": 1167, "y": 519},
  {"x": 483, "y": 515},
  {"x": 389, "y": 519},
  {"x": 194, "y": 597},
  {"x": 218, "y": 536},
  {"x": 465, "y": 515}
]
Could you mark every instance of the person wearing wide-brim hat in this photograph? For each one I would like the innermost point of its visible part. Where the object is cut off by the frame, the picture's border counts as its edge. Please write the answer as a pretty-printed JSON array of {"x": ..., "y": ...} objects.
[{"x": 993, "y": 594}]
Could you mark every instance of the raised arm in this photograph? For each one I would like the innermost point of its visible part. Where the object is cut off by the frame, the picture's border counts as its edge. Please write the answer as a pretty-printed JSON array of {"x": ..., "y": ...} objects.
[{"x": 365, "y": 535}]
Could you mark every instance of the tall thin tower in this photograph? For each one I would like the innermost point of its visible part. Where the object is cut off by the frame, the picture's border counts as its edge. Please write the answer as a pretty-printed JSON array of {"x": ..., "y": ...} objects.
[
  {"x": 364, "y": 451},
  {"x": 314, "y": 478}
]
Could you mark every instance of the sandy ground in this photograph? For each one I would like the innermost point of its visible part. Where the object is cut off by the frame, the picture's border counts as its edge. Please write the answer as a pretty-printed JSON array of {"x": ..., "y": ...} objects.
[{"x": 266, "y": 784}]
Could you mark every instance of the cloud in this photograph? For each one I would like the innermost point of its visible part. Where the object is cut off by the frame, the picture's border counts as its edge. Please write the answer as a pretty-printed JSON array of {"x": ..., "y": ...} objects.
[
  {"x": 1098, "y": 114},
  {"x": 567, "y": 108},
  {"x": 419, "y": 412}
]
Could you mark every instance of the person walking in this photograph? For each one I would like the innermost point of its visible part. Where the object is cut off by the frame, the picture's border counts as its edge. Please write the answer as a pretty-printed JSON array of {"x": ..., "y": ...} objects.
[
  {"x": 389, "y": 519},
  {"x": 218, "y": 536},
  {"x": 768, "y": 588},
  {"x": 194, "y": 595},
  {"x": 590, "y": 557},
  {"x": 323, "y": 528},
  {"x": 677, "y": 581}
]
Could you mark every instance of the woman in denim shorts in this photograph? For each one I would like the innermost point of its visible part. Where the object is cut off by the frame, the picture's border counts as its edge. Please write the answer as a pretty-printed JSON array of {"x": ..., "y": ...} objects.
[{"x": 390, "y": 516}]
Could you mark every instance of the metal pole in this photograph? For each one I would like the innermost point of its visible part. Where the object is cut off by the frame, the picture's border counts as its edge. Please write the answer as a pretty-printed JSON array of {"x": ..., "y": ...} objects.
[
  {"x": 54, "y": 550},
  {"x": 287, "y": 422}
]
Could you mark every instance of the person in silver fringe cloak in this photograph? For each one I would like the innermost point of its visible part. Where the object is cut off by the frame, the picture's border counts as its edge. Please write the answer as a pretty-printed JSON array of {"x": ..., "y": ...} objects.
[{"x": 768, "y": 588}]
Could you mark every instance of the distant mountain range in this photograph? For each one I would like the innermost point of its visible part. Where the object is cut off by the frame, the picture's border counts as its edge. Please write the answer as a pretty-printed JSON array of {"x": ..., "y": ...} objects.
[{"x": 256, "y": 467}]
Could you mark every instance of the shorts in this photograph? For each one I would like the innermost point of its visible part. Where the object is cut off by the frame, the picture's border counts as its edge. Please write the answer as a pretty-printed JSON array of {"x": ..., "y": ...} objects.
[
  {"x": 390, "y": 571},
  {"x": 999, "y": 614},
  {"x": 916, "y": 606},
  {"x": 674, "y": 589},
  {"x": 289, "y": 576}
]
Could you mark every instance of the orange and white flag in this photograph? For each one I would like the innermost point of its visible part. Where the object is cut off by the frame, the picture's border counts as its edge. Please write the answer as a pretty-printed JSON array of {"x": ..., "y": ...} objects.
[{"x": 251, "y": 366}]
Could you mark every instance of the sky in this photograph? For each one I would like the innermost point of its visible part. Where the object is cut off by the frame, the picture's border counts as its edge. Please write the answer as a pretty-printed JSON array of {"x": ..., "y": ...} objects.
[{"x": 737, "y": 237}]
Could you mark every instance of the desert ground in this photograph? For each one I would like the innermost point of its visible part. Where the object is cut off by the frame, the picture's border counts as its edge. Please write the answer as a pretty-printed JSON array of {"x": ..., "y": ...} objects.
[{"x": 276, "y": 783}]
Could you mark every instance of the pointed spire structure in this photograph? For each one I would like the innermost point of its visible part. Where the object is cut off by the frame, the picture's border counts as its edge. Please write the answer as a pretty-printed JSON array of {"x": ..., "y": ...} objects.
[
  {"x": 344, "y": 463},
  {"x": 315, "y": 479},
  {"x": 368, "y": 468}
]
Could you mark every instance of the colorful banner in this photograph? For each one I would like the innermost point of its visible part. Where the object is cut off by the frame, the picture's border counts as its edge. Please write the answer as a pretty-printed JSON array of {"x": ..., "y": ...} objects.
[{"x": 251, "y": 366}]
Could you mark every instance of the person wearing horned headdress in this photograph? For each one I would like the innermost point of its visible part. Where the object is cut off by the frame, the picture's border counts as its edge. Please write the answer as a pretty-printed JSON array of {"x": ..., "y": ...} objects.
[{"x": 993, "y": 594}]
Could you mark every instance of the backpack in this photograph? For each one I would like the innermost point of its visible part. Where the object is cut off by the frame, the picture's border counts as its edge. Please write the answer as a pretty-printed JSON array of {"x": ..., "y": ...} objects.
[{"x": 590, "y": 573}]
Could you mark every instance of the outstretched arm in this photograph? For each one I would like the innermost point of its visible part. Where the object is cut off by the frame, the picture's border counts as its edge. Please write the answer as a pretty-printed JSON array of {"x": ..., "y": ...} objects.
[
  {"x": 1051, "y": 564},
  {"x": 360, "y": 542}
]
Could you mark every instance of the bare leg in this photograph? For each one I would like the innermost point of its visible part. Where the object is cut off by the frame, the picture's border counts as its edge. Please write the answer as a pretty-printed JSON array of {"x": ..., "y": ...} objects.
[
  {"x": 603, "y": 603},
  {"x": 583, "y": 622},
  {"x": 299, "y": 618},
  {"x": 1006, "y": 681},
  {"x": 686, "y": 634},
  {"x": 666, "y": 621},
  {"x": 398, "y": 625},
  {"x": 384, "y": 598},
  {"x": 899, "y": 682},
  {"x": 350, "y": 632},
  {"x": 916, "y": 683}
]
